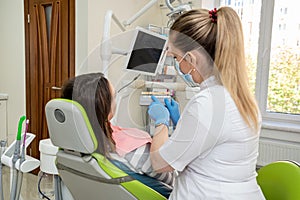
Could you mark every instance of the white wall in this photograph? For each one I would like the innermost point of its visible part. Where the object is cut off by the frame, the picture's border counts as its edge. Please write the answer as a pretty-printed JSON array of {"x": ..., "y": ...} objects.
[{"x": 12, "y": 61}]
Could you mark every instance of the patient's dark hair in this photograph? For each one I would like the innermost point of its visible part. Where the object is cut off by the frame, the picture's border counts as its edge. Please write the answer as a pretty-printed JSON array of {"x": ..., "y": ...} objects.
[{"x": 92, "y": 91}]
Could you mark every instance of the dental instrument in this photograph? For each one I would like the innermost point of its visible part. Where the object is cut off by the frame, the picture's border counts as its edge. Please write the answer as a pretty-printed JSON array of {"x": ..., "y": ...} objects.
[
  {"x": 22, "y": 159},
  {"x": 16, "y": 156}
]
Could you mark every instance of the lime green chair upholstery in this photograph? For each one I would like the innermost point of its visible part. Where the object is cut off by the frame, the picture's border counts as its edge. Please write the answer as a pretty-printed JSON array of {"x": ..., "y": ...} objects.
[
  {"x": 280, "y": 180},
  {"x": 87, "y": 174}
]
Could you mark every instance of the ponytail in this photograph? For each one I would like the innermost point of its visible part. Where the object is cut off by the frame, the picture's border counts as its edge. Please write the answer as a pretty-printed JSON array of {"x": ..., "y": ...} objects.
[{"x": 230, "y": 60}]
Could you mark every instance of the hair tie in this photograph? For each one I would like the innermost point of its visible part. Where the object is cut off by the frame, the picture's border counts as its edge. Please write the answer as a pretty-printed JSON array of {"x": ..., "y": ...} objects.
[{"x": 213, "y": 15}]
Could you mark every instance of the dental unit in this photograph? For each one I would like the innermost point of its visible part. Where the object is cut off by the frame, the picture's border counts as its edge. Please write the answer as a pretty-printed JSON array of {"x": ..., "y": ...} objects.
[{"x": 15, "y": 157}]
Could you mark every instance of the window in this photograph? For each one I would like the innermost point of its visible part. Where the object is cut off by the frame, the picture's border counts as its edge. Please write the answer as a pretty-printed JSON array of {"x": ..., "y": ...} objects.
[
  {"x": 250, "y": 18},
  {"x": 284, "y": 68},
  {"x": 273, "y": 57}
]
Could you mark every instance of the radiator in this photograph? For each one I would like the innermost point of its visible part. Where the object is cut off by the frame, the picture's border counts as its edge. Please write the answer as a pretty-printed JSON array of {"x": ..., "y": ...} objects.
[{"x": 273, "y": 150}]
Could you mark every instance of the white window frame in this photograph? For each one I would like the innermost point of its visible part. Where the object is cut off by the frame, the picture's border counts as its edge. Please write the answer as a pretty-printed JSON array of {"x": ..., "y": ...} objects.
[{"x": 277, "y": 121}]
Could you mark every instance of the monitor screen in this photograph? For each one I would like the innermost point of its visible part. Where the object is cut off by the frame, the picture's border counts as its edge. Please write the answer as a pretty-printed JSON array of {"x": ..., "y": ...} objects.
[{"x": 147, "y": 52}]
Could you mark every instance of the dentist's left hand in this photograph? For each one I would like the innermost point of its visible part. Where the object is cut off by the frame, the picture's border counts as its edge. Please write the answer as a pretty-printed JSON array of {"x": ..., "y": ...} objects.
[
  {"x": 173, "y": 108},
  {"x": 158, "y": 112}
]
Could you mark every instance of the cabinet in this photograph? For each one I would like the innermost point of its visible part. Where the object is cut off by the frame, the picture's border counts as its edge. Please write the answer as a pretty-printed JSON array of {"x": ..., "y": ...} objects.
[{"x": 3, "y": 116}]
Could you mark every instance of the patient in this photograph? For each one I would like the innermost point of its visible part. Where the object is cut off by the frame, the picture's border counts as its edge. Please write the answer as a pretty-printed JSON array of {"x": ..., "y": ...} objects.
[{"x": 128, "y": 145}]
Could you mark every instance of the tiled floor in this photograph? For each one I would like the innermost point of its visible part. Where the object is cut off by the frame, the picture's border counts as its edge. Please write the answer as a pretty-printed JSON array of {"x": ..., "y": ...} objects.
[{"x": 29, "y": 185}]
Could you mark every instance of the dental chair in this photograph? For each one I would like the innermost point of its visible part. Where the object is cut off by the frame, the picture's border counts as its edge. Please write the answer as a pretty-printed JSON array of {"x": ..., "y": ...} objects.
[
  {"x": 87, "y": 174},
  {"x": 280, "y": 180}
]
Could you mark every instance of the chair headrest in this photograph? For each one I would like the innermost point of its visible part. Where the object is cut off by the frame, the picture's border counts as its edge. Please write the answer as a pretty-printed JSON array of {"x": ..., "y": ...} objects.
[{"x": 69, "y": 127}]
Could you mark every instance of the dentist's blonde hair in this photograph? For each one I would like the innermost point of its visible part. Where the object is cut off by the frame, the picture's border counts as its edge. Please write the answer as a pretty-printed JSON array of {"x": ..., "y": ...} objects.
[{"x": 224, "y": 43}]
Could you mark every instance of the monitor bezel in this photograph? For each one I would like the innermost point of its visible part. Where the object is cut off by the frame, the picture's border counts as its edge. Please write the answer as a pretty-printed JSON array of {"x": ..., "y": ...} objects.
[{"x": 160, "y": 62}]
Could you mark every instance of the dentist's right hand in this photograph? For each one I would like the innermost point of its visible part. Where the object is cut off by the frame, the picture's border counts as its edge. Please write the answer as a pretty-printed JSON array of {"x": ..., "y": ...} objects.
[{"x": 158, "y": 112}]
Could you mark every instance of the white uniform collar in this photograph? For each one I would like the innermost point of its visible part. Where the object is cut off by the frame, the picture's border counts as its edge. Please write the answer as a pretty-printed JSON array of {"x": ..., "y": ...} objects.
[{"x": 210, "y": 81}]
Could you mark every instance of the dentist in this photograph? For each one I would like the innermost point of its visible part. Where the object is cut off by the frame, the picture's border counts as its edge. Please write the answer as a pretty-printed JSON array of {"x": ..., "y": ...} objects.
[{"x": 214, "y": 147}]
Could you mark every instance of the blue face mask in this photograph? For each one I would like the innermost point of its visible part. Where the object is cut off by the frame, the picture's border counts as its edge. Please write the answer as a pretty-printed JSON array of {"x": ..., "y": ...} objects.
[{"x": 187, "y": 78}]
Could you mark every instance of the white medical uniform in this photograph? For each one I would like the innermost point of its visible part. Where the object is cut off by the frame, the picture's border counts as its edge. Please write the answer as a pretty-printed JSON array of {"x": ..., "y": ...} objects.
[{"x": 213, "y": 149}]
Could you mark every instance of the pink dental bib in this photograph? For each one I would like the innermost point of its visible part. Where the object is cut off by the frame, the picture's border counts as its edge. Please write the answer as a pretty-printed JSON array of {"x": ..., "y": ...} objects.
[{"x": 129, "y": 139}]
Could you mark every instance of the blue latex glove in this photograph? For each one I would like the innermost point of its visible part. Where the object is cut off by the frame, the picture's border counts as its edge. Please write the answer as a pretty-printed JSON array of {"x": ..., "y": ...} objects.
[
  {"x": 158, "y": 112},
  {"x": 173, "y": 109}
]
